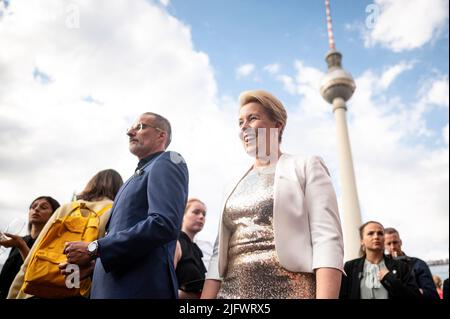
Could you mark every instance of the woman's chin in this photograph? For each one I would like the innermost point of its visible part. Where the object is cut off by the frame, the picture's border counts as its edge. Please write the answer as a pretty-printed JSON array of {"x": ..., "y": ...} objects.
[{"x": 250, "y": 150}]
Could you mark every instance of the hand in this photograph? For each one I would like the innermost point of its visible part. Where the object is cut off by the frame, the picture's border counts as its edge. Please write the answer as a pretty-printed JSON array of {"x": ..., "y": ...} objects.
[
  {"x": 382, "y": 273},
  {"x": 85, "y": 271},
  {"x": 13, "y": 241},
  {"x": 77, "y": 253}
]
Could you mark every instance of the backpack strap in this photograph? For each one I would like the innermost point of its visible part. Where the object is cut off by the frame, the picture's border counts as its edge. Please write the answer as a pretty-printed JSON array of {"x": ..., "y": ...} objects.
[
  {"x": 97, "y": 215},
  {"x": 103, "y": 210},
  {"x": 77, "y": 206}
]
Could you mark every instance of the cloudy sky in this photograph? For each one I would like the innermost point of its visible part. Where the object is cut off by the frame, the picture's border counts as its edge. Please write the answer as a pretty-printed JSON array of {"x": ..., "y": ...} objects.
[{"x": 75, "y": 74}]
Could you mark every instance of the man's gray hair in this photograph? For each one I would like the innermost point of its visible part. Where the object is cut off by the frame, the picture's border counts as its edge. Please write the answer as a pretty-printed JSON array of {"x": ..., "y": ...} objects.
[
  {"x": 162, "y": 123},
  {"x": 391, "y": 230}
]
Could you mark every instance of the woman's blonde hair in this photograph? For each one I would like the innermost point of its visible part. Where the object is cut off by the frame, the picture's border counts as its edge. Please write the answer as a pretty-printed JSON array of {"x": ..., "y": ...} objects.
[
  {"x": 191, "y": 201},
  {"x": 437, "y": 281},
  {"x": 272, "y": 106}
]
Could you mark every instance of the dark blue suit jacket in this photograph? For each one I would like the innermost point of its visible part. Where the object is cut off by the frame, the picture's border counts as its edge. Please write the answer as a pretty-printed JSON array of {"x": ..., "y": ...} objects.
[{"x": 136, "y": 255}]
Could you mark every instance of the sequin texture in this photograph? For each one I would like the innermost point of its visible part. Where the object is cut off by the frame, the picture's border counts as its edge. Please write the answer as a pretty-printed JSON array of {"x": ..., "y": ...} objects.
[{"x": 253, "y": 269}]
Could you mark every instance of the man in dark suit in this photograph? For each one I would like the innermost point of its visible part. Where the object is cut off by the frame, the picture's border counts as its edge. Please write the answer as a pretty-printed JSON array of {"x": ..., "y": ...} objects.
[
  {"x": 445, "y": 289},
  {"x": 135, "y": 258},
  {"x": 419, "y": 268}
]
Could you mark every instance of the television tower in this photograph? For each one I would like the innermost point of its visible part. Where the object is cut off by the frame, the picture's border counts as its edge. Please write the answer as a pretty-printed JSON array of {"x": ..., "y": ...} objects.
[{"x": 337, "y": 88}]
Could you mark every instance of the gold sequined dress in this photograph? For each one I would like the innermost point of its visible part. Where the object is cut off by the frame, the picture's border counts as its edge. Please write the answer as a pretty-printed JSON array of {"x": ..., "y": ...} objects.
[{"x": 253, "y": 269}]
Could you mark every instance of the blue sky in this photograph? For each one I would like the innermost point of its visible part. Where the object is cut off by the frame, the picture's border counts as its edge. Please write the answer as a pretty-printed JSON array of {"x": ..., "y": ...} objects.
[
  {"x": 259, "y": 32},
  {"x": 237, "y": 32},
  {"x": 75, "y": 74}
]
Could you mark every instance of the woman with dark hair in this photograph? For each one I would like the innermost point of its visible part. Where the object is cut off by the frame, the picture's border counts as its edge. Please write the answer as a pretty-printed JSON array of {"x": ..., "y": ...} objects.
[
  {"x": 40, "y": 211},
  {"x": 374, "y": 275},
  {"x": 97, "y": 196}
]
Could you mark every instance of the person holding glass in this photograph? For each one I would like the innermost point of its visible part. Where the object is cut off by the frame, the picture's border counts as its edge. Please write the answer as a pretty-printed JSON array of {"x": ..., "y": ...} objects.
[
  {"x": 280, "y": 234},
  {"x": 98, "y": 196},
  {"x": 40, "y": 211}
]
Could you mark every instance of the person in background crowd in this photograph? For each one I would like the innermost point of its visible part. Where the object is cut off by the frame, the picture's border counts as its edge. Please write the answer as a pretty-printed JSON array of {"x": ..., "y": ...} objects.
[
  {"x": 40, "y": 211},
  {"x": 135, "y": 259},
  {"x": 438, "y": 283},
  {"x": 445, "y": 290},
  {"x": 188, "y": 256},
  {"x": 419, "y": 268},
  {"x": 98, "y": 194},
  {"x": 373, "y": 275}
]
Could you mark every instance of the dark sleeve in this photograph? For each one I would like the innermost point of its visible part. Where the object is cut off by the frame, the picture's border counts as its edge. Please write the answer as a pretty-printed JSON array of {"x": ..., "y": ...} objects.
[
  {"x": 425, "y": 280},
  {"x": 167, "y": 191},
  {"x": 445, "y": 289},
  {"x": 345, "y": 282},
  {"x": 183, "y": 246},
  {"x": 11, "y": 267},
  {"x": 403, "y": 287}
]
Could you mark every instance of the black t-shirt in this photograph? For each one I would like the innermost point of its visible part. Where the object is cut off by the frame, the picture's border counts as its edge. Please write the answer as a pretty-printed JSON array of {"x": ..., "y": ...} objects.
[
  {"x": 11, "y": 267},
  {"x": 190, "y": 269}
]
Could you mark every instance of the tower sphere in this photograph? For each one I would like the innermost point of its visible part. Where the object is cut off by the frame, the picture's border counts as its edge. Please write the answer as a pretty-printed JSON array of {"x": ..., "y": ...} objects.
[{"x": 336, "y": 82}]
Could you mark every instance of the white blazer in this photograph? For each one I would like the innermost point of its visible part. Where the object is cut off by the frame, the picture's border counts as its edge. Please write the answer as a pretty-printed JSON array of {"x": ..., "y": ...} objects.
[{"x": 306, "y": 223}]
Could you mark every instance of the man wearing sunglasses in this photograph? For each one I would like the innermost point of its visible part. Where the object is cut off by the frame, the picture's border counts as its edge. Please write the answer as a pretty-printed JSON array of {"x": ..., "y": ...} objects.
[{"x": 135, "y": 258}]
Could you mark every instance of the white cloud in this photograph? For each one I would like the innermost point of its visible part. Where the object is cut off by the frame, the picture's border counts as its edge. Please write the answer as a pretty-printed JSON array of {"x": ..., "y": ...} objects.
[
  {"x": 438, "y": 93},
  {"x": 245, "y": 70},
  {"x": 433, "y": 94},
  {"x": 272, "y": 68},
  {"x": 445, "y": 134},
  {"x": 407, "y": 24},
  {"x": 306, "y": 84},
  {"x": 54, "y": 135},
  {"x": 165, "y": 2},
  {"x": 52, "y": 139},
  {"x": 395, "y": 176},
  {"x": 393, "y": 72},
  {"x": 288, "y": 83},
  {"x": 400, "y": 183}
]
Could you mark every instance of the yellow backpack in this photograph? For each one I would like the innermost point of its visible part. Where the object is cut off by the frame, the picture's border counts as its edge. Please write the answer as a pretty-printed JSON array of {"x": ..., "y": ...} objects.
[{"x": 43, "y": 277}]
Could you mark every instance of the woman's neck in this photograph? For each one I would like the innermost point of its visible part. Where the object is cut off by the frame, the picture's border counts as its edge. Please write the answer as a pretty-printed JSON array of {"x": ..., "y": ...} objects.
[
  {"x": 35, "y": 230},
  {"x": 267, "y": 161},
  {"x": 190, "y": 234},
  {"x": 374, "y": 257}
]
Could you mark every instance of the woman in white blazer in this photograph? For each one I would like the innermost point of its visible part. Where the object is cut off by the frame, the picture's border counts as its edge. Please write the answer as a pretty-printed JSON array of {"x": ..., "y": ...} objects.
[{"x": 280, "y": 234}]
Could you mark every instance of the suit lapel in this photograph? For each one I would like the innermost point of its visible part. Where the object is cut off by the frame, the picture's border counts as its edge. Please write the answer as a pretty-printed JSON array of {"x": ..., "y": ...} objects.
[
  {"x": 357, "y": 276},
  {"x": 124, "y": 186}
]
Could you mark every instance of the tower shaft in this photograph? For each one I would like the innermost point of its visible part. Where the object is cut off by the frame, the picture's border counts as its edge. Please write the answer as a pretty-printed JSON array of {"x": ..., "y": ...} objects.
[
  {"x": 337, "y": 88},
  {"x": 350, "y": 203}
]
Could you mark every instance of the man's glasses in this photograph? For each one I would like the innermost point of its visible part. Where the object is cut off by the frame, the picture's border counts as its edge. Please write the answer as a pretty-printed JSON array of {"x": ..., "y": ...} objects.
[{"x": 140, "y": 126}]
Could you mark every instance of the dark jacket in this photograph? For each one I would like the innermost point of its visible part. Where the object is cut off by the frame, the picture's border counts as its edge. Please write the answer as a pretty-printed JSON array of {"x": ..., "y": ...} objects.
[
  {"x": 398, "y": 282},
  {"x": 11, "y": 267},
  {"x": 136, "y": 256},
  {"x": 190, "y": 268},
  {"x": 445, "y": 289},
  {"x": 422, "y": 274}
]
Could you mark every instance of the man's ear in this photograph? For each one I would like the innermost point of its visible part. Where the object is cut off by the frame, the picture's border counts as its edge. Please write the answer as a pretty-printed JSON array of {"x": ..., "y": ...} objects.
[{"x": 162, "y": 134}]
